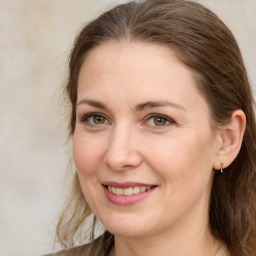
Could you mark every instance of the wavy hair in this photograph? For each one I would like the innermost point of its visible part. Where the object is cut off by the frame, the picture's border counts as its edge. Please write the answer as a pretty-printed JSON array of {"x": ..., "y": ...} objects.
[{"x": 204, "y": 44}]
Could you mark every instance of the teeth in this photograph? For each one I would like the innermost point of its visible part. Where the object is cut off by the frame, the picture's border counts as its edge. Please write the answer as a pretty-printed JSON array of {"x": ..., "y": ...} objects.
[
  {"x": 128, "y": 191},
  {"x": 136, "y": 190},
  {"x": 119, "y": 191},
  {"x": 143, "y": 189}
]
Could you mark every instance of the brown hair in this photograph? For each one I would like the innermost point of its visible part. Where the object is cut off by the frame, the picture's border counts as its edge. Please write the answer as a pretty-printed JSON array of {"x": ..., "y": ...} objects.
[{"x": 206, "y": 45}]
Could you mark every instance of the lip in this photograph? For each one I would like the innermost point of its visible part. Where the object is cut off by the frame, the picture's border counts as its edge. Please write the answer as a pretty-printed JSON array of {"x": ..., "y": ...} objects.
[
  {"x": 126, "y": 184},
  {"x": 124, "y": 200}
]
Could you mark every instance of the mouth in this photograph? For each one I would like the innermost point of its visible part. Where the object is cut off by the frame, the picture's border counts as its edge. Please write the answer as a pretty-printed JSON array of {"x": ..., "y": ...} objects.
[{"x": 127, "y": 193}]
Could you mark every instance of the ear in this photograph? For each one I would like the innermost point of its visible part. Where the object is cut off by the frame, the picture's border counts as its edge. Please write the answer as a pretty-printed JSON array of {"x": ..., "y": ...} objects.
[{"x": 229, "y": 140}]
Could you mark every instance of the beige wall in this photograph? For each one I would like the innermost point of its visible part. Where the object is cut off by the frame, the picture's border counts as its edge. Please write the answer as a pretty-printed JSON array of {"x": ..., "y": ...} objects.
[{"x": 35, "y": 37}]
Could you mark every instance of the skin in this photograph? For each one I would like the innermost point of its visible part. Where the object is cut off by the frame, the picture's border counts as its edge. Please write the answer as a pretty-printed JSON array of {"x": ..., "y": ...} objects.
[{"x": 125, "y": 144}]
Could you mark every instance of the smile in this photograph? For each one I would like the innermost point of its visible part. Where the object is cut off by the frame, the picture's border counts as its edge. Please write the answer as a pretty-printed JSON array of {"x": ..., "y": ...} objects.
[{"x": 128, "y": 191}]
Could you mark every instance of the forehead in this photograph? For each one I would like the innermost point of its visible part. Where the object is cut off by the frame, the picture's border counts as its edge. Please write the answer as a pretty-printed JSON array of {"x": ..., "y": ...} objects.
[
  {"x": 139, "y": 69},
  {"x": 138, "y": 61}
]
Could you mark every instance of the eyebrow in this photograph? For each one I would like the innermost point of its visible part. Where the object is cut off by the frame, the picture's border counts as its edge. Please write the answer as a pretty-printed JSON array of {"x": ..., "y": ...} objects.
[
  {"x": 153, "y": 104},
  {"x": 93, "y": 103},
  {"x": 138, "y": 108}
]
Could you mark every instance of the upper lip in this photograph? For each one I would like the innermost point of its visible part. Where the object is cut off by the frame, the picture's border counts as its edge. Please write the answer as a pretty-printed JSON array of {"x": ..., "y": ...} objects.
[{"x": 126, "y": 184}]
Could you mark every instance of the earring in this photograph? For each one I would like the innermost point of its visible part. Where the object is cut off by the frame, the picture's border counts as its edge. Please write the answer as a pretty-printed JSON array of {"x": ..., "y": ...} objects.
[{"x": 221, "y": 168}]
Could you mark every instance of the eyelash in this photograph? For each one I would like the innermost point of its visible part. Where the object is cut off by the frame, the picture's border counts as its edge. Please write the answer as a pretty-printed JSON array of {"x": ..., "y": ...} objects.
[
  {"x": 161, "y": 116},
  {"x": 85, "y": 119}
]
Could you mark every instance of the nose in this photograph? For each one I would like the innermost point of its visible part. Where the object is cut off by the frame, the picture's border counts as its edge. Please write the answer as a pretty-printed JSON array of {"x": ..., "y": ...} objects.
[{"x": 122, "y": 152}]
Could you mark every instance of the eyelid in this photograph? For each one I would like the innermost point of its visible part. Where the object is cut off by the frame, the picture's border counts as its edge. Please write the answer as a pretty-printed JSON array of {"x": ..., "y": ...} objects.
[
  {"x": 85, "y": 117},
  {"x": 155, "y": 115}
]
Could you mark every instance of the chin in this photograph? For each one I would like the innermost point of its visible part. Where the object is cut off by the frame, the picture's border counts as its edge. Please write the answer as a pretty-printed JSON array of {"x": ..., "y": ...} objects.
[
  {"x": 128, "y": 231},
  {"x": 128, "y": 226}
]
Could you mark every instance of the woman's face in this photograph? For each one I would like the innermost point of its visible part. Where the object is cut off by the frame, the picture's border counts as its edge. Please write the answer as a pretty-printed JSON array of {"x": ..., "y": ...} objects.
[{"x": 144, "y": 145}]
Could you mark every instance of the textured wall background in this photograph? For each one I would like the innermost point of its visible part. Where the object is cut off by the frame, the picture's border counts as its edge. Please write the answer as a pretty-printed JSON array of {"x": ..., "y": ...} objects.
[{"x": 35, "y": 38}]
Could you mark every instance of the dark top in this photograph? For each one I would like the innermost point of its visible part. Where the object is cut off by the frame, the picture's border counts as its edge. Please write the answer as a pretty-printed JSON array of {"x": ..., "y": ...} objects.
[{"x": 98, "y": 247}]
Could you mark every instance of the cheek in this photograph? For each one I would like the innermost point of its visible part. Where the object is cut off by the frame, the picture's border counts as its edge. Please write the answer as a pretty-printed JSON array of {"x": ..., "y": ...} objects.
[
  {"x": 184, "y": 168},
  {"x": 87, "y": 153},
  {"x": 87, "y": 156},
  {"x": 183, "y": 157}
]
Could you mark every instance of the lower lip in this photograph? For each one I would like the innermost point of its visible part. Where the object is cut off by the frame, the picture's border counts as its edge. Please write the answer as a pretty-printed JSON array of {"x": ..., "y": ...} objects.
[{"x": 126, "y": 200}]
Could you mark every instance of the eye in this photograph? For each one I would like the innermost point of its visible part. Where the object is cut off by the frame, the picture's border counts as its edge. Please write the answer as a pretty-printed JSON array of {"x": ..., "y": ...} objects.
[
  {"x": 98, "y": 119},
  {"x": 159, "y": 120},
  {"x": 94, "y": 119}
]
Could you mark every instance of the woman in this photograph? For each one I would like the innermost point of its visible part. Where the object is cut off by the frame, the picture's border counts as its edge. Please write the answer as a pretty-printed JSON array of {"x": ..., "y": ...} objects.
[{"x": 163, "y": 134}]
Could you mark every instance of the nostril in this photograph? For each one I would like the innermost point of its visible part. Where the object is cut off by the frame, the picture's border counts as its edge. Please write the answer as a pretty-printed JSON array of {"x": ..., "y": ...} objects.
[{"x": 122, "y": 161}]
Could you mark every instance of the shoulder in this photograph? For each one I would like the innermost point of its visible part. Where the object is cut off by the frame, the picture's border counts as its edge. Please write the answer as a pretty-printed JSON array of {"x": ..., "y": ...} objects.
[
  {"x": 98, "y": 247},
  {"x": 79, "y": 250}
]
